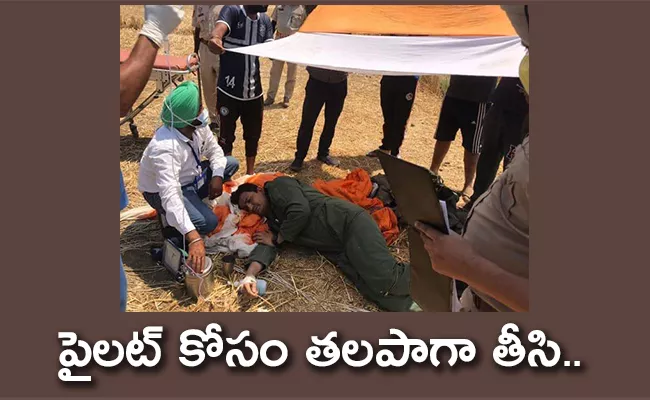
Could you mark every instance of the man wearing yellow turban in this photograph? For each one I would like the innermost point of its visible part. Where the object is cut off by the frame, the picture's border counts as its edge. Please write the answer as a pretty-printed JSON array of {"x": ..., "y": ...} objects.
[
  {"x": 174, "y": 180},
  {"x": 492, "y": 255}
]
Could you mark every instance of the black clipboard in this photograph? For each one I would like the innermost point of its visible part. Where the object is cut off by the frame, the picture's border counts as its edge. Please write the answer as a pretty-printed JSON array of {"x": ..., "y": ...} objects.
[{"x": 414, "y": 190}]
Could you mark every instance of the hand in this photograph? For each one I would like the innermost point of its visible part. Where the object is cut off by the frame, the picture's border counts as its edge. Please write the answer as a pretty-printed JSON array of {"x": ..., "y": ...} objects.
[
  {"x": 216, "y": 46},
  {"x": 249, "y": 284},
  {"x": 449, "y": 254},
  {"x": 196, "y": 259},
  {"x": 160, "y": 21},
  {"x": 216, "y": 187},
  {"x": 264, "y": 238}
]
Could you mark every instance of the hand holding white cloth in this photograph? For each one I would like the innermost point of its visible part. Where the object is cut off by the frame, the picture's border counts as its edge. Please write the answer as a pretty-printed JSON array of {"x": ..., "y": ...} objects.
[{"x": 160, "y": 21}]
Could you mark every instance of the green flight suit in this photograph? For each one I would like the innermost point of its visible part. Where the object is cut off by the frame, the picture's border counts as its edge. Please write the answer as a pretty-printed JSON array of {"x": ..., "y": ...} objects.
[{"x": 306, "y": 217}]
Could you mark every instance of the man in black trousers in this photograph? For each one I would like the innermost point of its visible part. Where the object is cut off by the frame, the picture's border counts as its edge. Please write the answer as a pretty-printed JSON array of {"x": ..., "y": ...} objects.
[
  {"x": 504, "y": 129},
  {"x": 397, "y": 94},
  {"x": 326, "y": 88}
]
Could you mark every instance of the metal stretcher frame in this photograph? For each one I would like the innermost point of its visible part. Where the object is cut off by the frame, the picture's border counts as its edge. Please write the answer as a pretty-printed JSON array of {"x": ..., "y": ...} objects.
[{"x": 166, "y": 70}]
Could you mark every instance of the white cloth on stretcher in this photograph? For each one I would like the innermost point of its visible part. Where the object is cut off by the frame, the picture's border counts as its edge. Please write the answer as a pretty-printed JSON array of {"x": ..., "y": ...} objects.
[{"x": 225, "y": 241}]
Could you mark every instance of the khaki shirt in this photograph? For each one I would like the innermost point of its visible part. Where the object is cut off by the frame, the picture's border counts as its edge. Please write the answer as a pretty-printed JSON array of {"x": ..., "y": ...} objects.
[
  {"x": 288, "y": 18},
  {"x": 205, "y": 18},
  {"x": 497, "y": 226}
]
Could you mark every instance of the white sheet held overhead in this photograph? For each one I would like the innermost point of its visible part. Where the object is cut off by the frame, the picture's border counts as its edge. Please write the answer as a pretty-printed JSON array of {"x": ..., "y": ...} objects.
[{"x": 397, "y": 55}]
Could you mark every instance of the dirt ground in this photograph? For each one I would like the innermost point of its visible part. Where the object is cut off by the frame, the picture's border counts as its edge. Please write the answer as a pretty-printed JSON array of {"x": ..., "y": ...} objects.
[{"x": 300, "y": 280}]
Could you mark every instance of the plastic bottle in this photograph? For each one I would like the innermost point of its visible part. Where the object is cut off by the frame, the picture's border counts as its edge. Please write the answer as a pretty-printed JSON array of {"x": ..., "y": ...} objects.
[{"x": 261, "y": 286}]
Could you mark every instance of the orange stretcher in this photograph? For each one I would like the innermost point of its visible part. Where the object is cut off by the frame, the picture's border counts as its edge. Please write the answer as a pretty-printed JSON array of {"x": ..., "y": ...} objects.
[{"x": 166, "y": 70}]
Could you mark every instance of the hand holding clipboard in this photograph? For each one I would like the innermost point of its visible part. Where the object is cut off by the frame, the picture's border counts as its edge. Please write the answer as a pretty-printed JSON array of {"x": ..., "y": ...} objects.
[{"x": 414, "y": 189}]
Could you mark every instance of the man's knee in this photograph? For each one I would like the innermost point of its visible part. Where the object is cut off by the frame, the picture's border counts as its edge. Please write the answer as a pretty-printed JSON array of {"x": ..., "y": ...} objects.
[
  {"x": 204, "y": 222},
  {"x": 210, "y": 223},
  {"x": 232, "y": 166}
]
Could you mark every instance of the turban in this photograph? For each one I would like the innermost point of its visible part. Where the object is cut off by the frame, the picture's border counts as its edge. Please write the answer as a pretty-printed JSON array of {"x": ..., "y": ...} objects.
[
  {"x": 524, "y": 73},
  {"x": 518, "y": 15},
  {"x": 181, "y": 107}
]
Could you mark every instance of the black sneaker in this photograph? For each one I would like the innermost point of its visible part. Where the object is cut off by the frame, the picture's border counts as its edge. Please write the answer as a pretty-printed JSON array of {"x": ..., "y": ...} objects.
[
  {"x": 375, "y": 152},
  {"x": 328, "y": 160},
  {"x": 437, "y": 179},
  {"x": 296, "y": 165},
  {"x": 269, "y": 101}
]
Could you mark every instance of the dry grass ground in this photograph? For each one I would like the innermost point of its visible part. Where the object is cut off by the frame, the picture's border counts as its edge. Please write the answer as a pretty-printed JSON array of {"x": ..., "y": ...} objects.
[{"x": 300, "y": 280}]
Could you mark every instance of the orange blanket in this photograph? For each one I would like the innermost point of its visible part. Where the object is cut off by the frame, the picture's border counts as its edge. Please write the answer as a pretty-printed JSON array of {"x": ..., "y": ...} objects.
[
  {"x": 356, "y": 188},
  {"x": 249, "y": 223}
]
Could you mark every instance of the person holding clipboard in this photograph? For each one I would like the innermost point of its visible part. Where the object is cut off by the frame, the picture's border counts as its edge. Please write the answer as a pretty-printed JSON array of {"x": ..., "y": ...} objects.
[{"x": 492, "y": 254}]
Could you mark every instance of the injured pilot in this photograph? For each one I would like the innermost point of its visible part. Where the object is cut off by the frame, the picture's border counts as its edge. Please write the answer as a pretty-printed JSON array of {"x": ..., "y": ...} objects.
[
  {"x": 299, "y": 214},
  {"x": 174, "y": 180}
]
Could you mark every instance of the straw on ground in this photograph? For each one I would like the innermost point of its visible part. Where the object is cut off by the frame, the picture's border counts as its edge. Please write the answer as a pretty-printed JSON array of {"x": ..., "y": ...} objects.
[{"x": 300, "y": 279}]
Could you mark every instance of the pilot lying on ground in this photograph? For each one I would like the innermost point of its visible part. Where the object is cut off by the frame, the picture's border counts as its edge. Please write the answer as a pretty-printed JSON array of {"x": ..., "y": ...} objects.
[{"x": 299, "y": 214}]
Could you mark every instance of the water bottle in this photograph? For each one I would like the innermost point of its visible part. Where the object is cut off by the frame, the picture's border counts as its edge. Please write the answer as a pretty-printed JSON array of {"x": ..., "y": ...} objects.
[{"x": 261, "y": 286}]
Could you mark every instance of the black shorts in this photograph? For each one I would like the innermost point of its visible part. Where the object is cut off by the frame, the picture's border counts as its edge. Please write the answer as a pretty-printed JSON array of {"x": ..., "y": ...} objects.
[
  {"x": 466, "y": 116},
  {"x": 251, "y": 113},
  {"x": 503, "y": 131}
]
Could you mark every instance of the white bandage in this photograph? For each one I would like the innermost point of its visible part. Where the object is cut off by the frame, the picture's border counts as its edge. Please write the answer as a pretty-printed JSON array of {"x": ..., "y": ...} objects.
[
  {"x": 248, "y": 279},
  {"x": 160, "y": 21}
]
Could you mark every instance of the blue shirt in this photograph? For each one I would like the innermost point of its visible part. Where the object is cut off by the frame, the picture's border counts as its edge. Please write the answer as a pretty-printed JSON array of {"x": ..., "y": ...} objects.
[
  {"x": 239, "y": 74},
  {"x": 124, "y": 199}
]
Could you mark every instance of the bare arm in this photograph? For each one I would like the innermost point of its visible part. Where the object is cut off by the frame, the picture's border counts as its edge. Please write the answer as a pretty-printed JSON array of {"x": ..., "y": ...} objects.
[
  {"x": 216, "y": 43},
  {"x": 197, "y": 39},
  {"x": 252, "y": 270},
  {"x": 159, "y": 21},
  {"x": 135, "y": 71}
]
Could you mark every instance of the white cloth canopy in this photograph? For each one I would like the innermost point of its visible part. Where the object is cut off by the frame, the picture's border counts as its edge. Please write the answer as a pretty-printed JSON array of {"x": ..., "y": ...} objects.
[{"x": 397, "y": 55}]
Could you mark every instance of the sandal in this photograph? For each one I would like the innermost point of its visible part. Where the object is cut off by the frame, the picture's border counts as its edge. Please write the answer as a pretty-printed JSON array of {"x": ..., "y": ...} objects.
[{"x": 466, "y": 199}]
